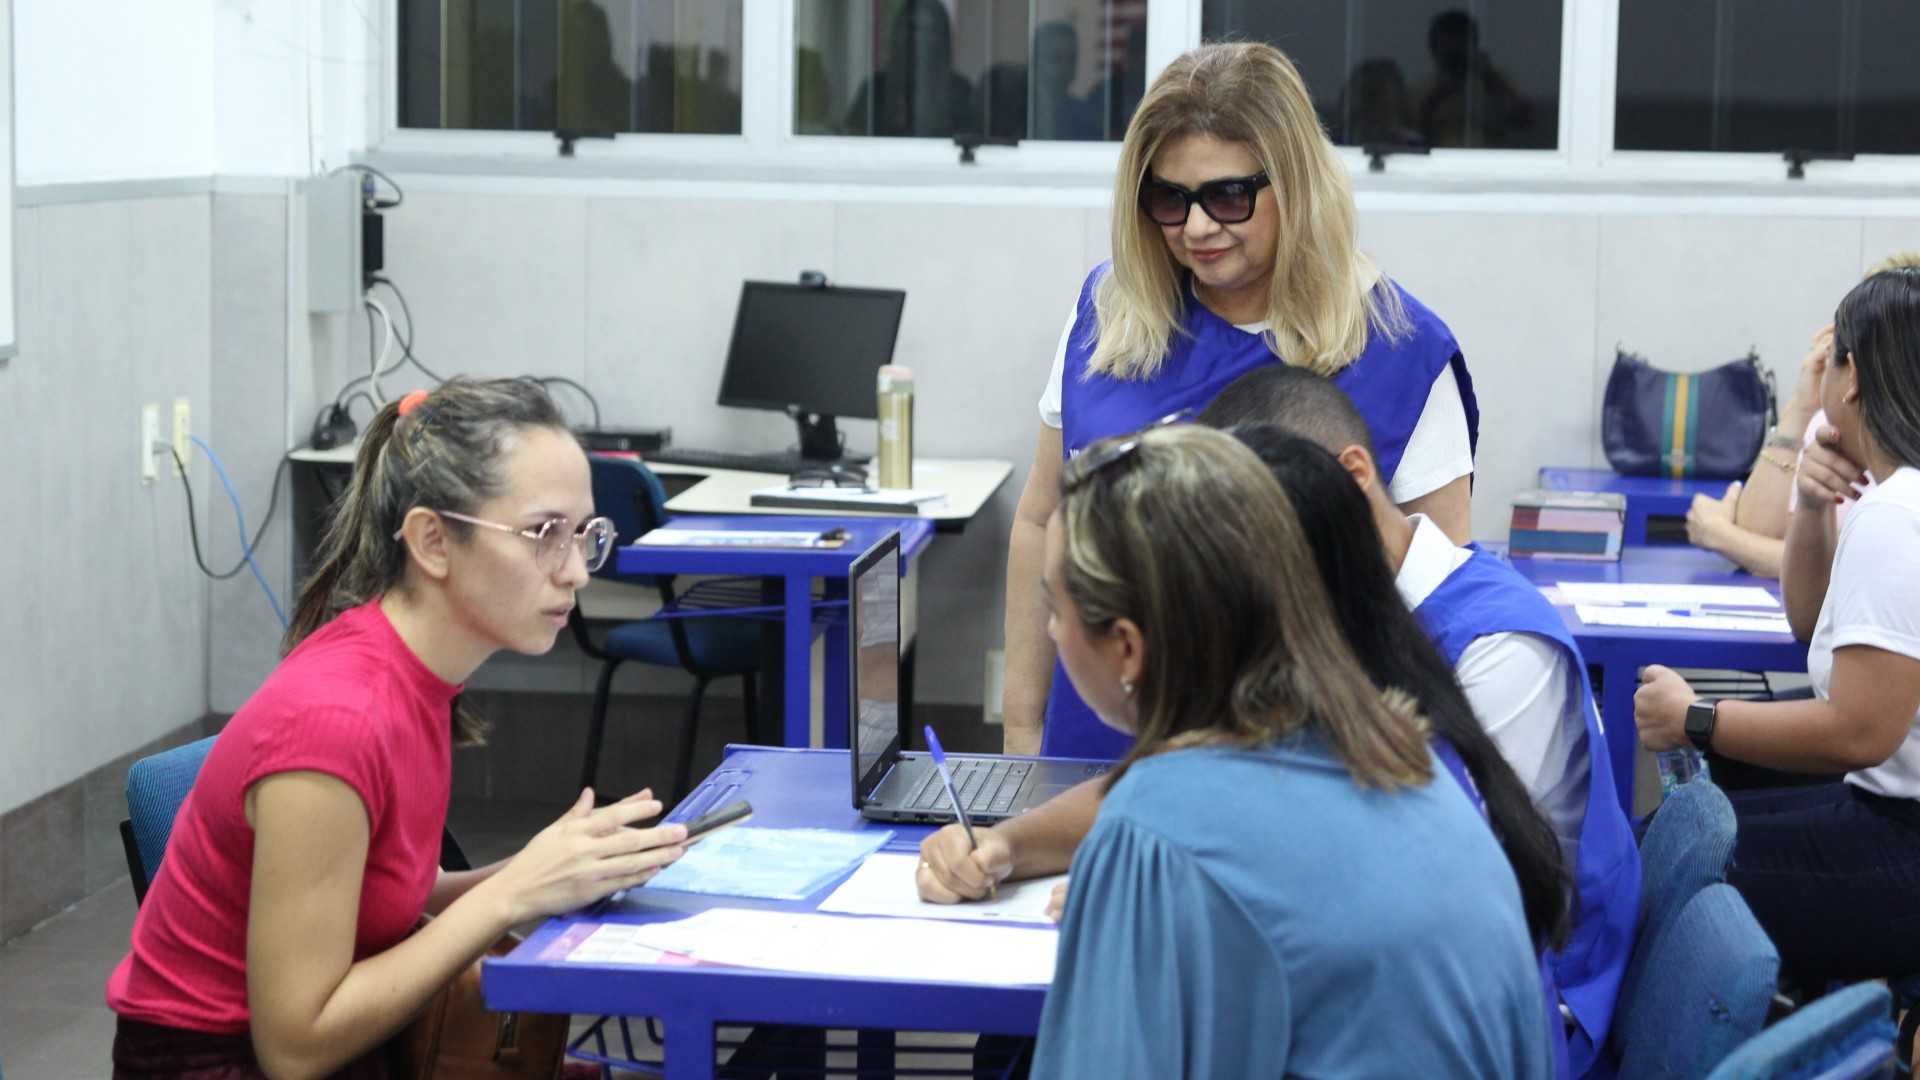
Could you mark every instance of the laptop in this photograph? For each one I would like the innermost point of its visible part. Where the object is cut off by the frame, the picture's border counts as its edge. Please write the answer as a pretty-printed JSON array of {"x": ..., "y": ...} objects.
[{"x": 889, "y": 785}]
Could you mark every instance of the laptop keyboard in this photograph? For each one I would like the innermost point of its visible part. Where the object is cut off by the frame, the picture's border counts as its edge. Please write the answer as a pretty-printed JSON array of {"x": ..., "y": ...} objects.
[{"x": 984, "y": 786}]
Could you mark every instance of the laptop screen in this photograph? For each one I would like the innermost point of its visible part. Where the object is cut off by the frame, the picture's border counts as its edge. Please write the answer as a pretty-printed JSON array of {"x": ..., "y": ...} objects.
[{"x": 873, "y": 637}]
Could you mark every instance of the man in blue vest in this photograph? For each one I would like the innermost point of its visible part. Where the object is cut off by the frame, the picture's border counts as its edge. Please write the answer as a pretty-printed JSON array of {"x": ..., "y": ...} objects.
[{"x": 1521, "y": 673}]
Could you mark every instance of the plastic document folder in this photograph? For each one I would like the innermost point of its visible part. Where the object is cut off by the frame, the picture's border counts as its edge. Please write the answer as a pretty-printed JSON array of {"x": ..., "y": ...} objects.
[
  {"x": 771, "y": 864},
  {"x": 884, "y": 885},
  {"x": 915, "y": 950}
]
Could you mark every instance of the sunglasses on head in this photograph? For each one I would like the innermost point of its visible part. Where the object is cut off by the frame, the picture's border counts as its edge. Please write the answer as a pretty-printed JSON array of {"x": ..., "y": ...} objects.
[
  {"x": 1228, "y": 200},
  {"x": 1089, "y": 465}
]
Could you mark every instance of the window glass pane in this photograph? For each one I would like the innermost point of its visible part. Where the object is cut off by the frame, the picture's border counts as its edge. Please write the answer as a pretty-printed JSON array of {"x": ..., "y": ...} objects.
[
  {"x": 1484, "y": 74},
  {"x": 594, "y": 65},
  {"x": 1035, "y": 69},
  {"x": 1763, "y": 76}
]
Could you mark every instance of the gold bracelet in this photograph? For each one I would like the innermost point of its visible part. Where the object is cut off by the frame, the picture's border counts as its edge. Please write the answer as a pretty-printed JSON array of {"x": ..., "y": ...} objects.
[{"x": 1787, "y": 466}]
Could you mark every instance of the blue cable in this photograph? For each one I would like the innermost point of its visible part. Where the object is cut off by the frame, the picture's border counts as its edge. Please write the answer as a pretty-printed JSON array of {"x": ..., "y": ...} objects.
[{"x": 246, "y": 546}]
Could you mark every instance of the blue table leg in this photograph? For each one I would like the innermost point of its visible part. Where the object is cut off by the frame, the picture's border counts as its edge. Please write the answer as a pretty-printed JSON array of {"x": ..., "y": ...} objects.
[
  {"x": 799, "y": 646},
  {"x": 834, "y": 694},
  {"x": 688, "y": 1048},
  {"x": 1635, "y": 529},
  {"x": 1623, "y": 737}
]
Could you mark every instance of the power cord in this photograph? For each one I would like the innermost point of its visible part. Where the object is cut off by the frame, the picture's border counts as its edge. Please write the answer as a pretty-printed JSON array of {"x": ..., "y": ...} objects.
[
  {"x": 406, "y": 340},
  {"x": 546, "y": 381},
  {"x": 399, "y": 196},
  {"x": 246, "y": 545}
]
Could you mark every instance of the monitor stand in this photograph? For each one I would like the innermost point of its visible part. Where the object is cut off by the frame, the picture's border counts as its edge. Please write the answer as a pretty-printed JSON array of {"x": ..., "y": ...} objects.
[{"x": 820, "y": 438}]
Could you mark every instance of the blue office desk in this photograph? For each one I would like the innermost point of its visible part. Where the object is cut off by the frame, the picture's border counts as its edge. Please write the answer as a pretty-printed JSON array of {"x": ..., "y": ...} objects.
[
  {"x": 1647, "y": 496},
  {"x": 796, "y": 568},
  {"x": 788, "y": 789},
  {"x": 1621, "y": 651}
]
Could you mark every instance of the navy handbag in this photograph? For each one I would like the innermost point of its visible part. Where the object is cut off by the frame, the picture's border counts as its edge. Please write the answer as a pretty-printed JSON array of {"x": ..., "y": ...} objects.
[{"x": 1666, "y": 423}]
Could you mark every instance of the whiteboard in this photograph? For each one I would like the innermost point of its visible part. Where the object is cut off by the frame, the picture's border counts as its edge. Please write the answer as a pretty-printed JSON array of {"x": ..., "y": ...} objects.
[{"x": 9, "y": 340}]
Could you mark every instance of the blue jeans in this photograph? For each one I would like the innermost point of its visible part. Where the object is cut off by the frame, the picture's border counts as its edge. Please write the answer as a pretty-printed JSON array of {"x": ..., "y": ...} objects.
[{"x": 1833, "y": 874}]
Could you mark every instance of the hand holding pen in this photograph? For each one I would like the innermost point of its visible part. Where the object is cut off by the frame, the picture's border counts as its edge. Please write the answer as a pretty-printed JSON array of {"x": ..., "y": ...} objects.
[{"x": 960, "y": 863}]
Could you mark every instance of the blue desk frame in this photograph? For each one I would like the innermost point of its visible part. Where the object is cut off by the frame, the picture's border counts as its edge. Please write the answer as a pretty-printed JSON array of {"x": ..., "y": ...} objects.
[
  {"x": 1621, "y": 651},
  {"x": 789, "y": 788},
  {"x": 796, "y": 568},
  {"x": 1647, "y": 496}
]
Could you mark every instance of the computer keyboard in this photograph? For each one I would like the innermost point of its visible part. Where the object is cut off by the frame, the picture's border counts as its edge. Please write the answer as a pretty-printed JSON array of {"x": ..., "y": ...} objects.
[
  {"x": 988, "y": 786},
  {"x": 784, "y": 462}
]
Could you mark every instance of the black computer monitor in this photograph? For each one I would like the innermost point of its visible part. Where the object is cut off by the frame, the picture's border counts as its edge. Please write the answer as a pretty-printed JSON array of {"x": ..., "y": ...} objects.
[{"x": 812, "y": 352}]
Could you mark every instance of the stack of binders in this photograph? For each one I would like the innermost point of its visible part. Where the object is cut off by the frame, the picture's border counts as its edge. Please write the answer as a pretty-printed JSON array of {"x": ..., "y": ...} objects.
[{"x": 1584, "y": 525}]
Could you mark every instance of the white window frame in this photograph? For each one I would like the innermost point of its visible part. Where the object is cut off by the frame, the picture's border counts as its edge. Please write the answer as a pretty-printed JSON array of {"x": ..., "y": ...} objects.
[{"x": 768, "y": 151}]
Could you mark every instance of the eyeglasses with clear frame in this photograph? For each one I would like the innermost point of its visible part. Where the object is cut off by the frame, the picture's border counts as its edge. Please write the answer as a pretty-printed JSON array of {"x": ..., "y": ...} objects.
[
  {"x": 1084, "y": 468},
  {"x": 594, "y": 539}
]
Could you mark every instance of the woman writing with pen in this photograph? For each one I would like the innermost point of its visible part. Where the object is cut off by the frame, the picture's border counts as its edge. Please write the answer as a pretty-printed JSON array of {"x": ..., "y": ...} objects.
[{"x": 1240, "y": 907}]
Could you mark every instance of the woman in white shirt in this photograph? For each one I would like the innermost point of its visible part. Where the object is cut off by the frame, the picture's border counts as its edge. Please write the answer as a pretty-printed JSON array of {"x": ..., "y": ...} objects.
[{"x": 1832, "y": 871}]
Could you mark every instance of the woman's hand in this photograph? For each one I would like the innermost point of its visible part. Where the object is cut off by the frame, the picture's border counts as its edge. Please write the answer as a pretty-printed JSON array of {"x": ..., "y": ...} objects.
[
  {"x": 1057, "y": 903},
  {"x": 1660, "y": 708},
  {"x": 951, "y": 871},
  {"x": 1709, "y": 519},
  {"x": 1800, "y": 406},
  {"x": 586, "y": 855},
  {"x": 1826, "y": 475}
]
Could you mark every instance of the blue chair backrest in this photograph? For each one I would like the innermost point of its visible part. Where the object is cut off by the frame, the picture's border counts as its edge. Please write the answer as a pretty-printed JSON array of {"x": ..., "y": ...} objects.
[
  {"x": 1702, "y": 988},
  {"x": 156, "y": 786},
  {"x": 630, "y": 495},
  {"x": 1844, "y": 1036}
]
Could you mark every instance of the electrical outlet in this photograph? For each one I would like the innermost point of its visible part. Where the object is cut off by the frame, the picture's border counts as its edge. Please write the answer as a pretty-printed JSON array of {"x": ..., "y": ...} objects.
[
  {"x": 182, "y": 428},
  {"x": 149, "y": 435}
]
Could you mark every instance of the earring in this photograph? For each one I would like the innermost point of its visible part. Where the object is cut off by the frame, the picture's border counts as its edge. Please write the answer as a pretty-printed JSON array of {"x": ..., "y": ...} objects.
[{"x": 1126, "y": 687}]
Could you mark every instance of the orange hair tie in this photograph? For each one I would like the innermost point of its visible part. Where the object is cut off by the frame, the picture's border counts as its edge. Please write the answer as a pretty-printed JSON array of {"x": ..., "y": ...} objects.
[{"x": 412, "y": 401}]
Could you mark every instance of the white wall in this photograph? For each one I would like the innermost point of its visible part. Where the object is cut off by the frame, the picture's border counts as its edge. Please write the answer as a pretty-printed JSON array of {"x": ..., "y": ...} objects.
[
  {"x": 113, "y": 89},
  {"x": 141, "y": 89}
]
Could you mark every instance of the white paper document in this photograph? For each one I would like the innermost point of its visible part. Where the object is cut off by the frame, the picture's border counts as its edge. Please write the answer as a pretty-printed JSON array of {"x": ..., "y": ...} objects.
[
  {"x": 921, "y": 950},
  {"x": 729, "y": 538},
  {"x": 884, "y": 885},
  {"x": 1758, "y": 622},
  {"x": 1596, "y": 592}
]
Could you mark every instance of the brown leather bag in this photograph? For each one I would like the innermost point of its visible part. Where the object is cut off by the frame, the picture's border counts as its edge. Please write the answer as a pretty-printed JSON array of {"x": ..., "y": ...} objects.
[{"x": 456, "y": 1037}]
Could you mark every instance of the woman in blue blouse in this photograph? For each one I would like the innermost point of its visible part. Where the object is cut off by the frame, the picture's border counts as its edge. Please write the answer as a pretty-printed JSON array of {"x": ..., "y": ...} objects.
[
  {"x": 1281, "y": 880},
  {"x": 1233, "y": 247}
]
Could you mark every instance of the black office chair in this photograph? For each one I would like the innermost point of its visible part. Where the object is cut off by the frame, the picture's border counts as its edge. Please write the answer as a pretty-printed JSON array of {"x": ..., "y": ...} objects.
[{"x": 692, "y": 630}]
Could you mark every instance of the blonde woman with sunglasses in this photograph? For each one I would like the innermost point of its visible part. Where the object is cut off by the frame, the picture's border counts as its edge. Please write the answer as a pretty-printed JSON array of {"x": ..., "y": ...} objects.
[
  {"x": 277, "y": 937},
  {"x": 1233, "y": 247}
]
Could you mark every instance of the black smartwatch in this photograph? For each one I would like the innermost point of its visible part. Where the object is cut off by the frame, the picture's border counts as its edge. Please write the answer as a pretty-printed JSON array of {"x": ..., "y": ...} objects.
[{"x": 1701, "y": 717}]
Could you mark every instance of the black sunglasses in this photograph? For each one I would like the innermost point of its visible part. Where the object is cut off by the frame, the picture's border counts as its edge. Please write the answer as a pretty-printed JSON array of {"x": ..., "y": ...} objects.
[
  {"x": 1228, "y": 200},
  {"x": 1087, "y": 466}
]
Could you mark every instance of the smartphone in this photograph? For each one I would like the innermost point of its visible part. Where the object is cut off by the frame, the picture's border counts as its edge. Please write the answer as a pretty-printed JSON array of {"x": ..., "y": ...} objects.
[{"x": 714, "y": 820}]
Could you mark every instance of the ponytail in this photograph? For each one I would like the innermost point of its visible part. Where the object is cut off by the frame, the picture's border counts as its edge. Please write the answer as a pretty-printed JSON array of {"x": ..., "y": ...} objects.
[{"x": 446, "y": 453}]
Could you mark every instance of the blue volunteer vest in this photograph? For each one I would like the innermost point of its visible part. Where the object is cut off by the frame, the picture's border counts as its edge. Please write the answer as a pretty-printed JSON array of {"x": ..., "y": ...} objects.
[
  {"x": 1485, "y": 596},
  {"x": 1389, "y": 383}
]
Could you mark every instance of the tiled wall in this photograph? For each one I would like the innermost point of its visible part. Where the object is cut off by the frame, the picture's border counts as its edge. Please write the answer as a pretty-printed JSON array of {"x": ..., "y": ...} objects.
[{"x": 103, "y": 635}]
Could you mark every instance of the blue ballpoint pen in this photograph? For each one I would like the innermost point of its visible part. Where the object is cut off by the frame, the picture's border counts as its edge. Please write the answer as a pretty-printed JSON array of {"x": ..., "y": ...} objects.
[
  {"x": 953, "y": 796},
  {"x": 946, "y": 780}
]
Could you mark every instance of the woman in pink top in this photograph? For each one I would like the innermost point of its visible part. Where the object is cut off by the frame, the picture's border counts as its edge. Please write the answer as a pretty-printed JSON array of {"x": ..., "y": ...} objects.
[{"x": 277, "y": 938}]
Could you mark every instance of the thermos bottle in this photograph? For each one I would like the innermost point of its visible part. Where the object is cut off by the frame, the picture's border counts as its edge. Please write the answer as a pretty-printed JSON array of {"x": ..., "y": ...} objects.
[{"x": 896, "y": 427}]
